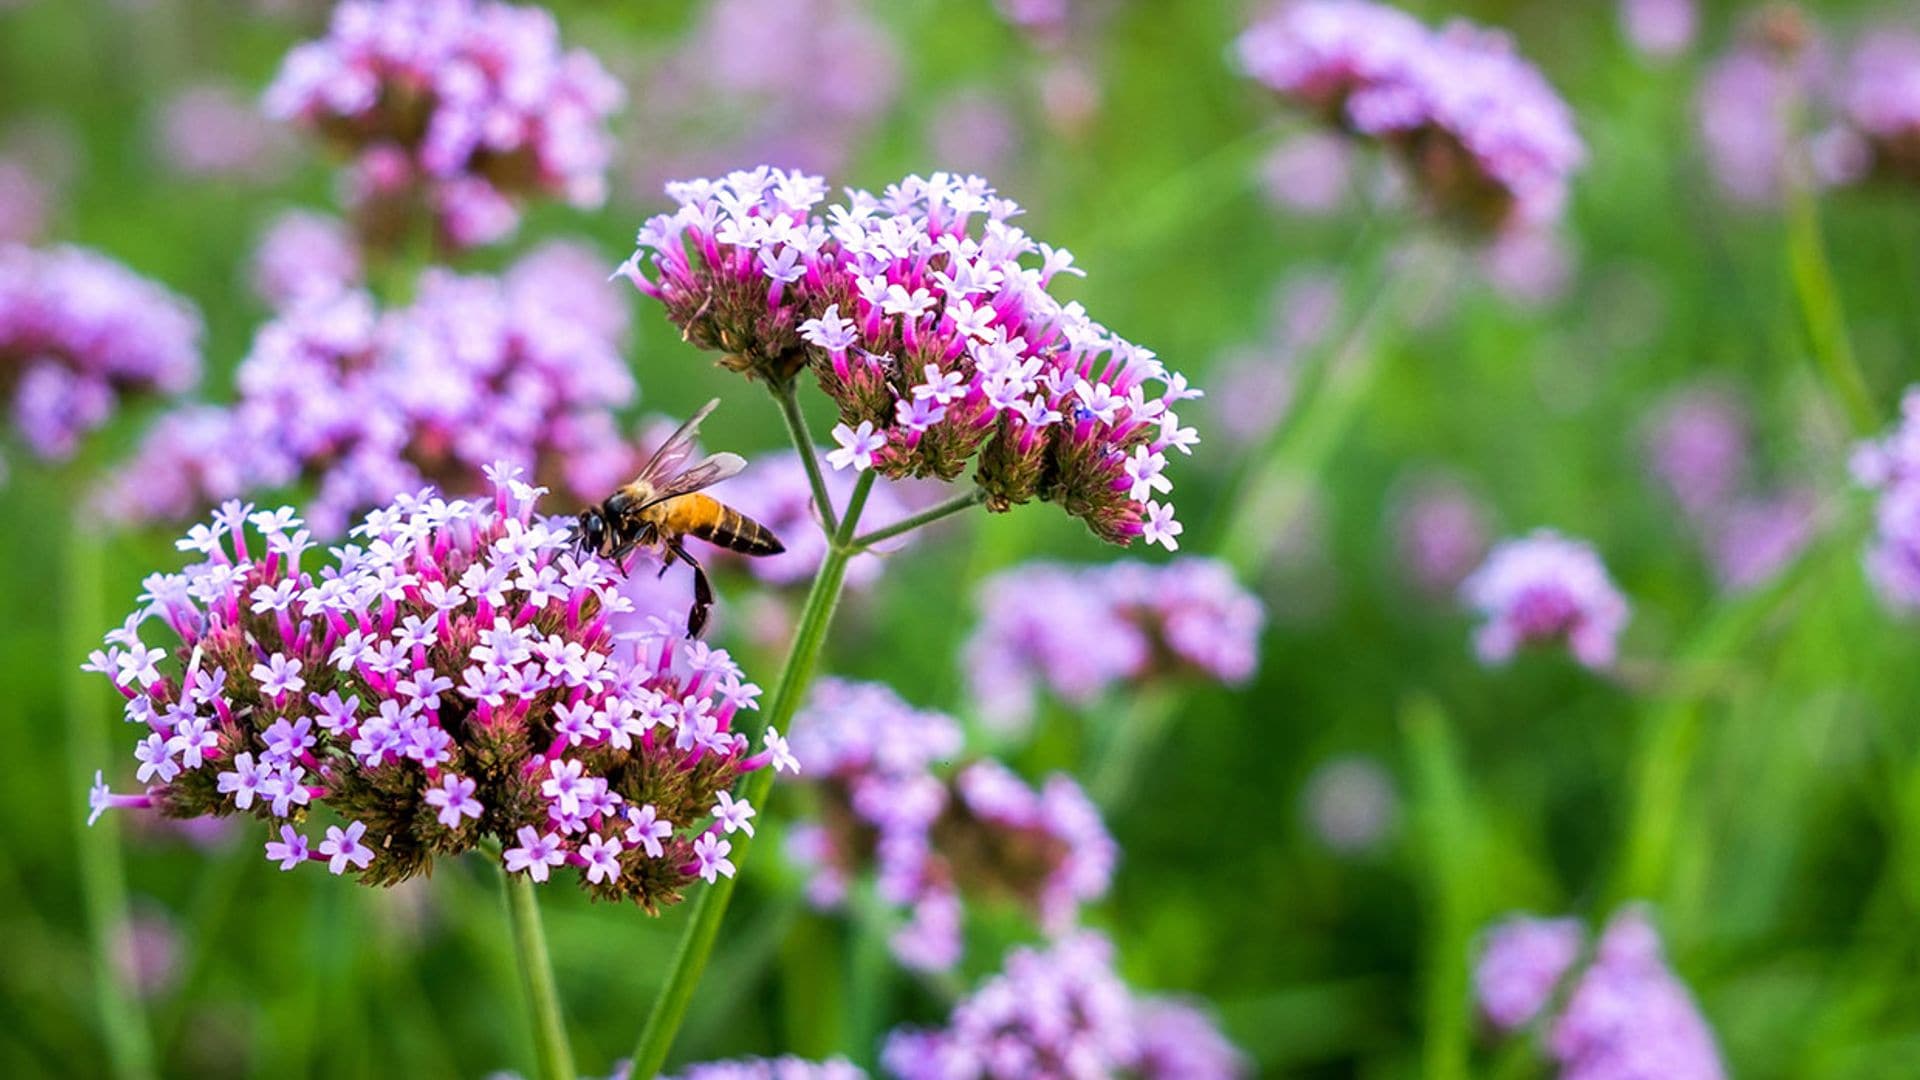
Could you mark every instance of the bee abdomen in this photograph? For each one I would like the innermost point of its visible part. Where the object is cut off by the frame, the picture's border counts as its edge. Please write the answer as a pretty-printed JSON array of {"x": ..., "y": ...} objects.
[{"x": 735, "y": 531}]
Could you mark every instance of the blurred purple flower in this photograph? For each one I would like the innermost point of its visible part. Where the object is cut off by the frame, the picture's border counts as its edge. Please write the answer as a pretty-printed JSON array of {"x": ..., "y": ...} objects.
[
  {"x": 1063, "y": 1012},
  {"x": 1880, "y": 100},
  {"x": 1442, "y": 532},
  {"x": 973, "y": 131},
  {"x": 213, "y": 132},
  {"x": 1483, "y": 135},
  {"x": 922, "y": 318},
  {"x": 146, "y": 952},
  {"x": 1546, "y": 589},
  {"x": 781, "y": 1068},
  {"x": 1351, "y": 804},
  {"x": 933, "y": 835},
  {"x": 1659, "y": 28},
  {"x": 1698, "y": 447},
  {"x": 1529, "y": 267},
  {"x": 1309, "y": 173},
  {"x": 1522, "y": 961},
  {"x": 304, "y": 256},
  {"x": 1890, "y": 466},
  {"x": 1629, "y": 1018},
  {"x": 1754, "y": 539},
  {"x": 1081, "y": 632},
  {"x": 79, "y": 333},
  {"x": 457, "y": 105},
  {"x": 26, "y": 201},
  {"x": 366, "y": 405},
  {"x": 450, "y": 677}
]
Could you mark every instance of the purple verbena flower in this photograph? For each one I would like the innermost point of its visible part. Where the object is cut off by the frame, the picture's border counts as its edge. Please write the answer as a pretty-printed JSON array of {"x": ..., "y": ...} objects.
[
  {"x": 366, "y": 405},
  {"x": 1081, "y": 632},
  {"x": 1544, "y": 588},
  {"x": 928, "y": 318},
  {"x": 1441, "y": 532},
  {"x": 454, "y": 107},
  {"x": 1659, "y": 28},
  {"x": 1522, "y": 961},
  {"x": 1629, "y": 1018},
  {"x": 1061, "y": 1013},
  {"x": 423, "y": 686},
  {"x": 79, "y": 333},
  {"x": 781, "y": 1068},
  {"x": 1483, "y": 135},
  {"x": 931, "y": 834}
]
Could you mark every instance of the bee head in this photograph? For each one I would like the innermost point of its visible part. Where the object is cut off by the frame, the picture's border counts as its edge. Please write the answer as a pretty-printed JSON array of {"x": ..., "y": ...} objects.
[{"x": 591, "y": 531}]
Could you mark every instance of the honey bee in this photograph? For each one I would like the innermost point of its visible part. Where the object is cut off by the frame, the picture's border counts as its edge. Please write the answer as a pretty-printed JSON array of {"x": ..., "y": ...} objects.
[{"x": 665, "y": 504}]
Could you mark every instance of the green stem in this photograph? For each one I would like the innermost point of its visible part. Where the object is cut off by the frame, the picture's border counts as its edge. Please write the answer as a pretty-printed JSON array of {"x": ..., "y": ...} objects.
[
  {"x": 553, "y": 1054},
  {"x": 1332, "y": 390},
  {"x": 1444, "y": 819},
  {"x": 1137, "y": 735},
  {"x": 1820, "y": 307},
  {"x": 803, "y": 442},
  {"x": 925, "y": 517},
  {"x": 703, "y": 926},
  {"x": 102, "y": 878}
]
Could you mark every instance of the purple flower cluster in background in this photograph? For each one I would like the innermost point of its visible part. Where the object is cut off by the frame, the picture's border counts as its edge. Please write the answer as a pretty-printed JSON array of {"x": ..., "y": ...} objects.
[
  {"x": 1853, "y": 113},
  {"x": 451, "y": 676},
  {"x": 799, "y": 82},
  {"x": 1441, "y": 531},
  {"x": 1080, "y": 632},
  {"x": 932, "y": 833},
  {"x": 1699, "y": 448},
  {"x": 451, "y": 107},
  {"x": 78, "y": 334},
  {"x": 1659, "y": 28},
  {"x": 919, "y": 314},
  {"x": 1063, "y": 1012},
  {"x": 781, "y": 1068},
  {"x": 213, "y": 132},
  {"x": 1890, "y": 466},
  {"x": 1544, "y": 588},
  {"x": 364, "y": 405},
  {"x": 1625, "y": 1017},
  {"x": 1484, "y": 137}
]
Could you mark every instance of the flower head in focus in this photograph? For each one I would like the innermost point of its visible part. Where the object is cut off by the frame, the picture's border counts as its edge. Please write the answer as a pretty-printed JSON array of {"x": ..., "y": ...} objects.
[
  {"x": 1080, "y": 632},
  {"x": 934, "y": 834},
  {"x": 1063, "y": 1012},
  {"x": 452, "y": 107},
  {"x": 1544, "y": 588},
  {"x": 79, "y": 333},
  {"x": 449, "y": 676},
  {"x": 1483, "y": 135},
  {"x": 928, "y": 318}
]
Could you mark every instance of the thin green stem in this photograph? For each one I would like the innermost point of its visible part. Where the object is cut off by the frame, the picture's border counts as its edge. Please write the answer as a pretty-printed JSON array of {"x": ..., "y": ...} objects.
[
  {"x": 1445, "y": 821},
  {"x": 925, "y": 517},
  {"x": 703, "y": 926},
  {"x": 803, "y": 442},
  {"x": 102, "y": 878},
  {"x": 1132, "y": 742},
  {"x": 552, "y": 1052},
  {"x": 1820, "y": 306}
]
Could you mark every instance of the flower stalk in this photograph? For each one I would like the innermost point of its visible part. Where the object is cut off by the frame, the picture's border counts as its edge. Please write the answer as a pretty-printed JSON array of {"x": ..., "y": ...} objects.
[
  {"x": 103, "y": 882},
  {"x": 810, "y": 635},
  {"x": 925, "y": 517},
  {"x": 553, "y": 1054}
]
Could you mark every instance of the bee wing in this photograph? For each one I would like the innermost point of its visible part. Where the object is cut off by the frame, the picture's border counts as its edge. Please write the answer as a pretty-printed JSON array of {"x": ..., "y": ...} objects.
[
  {"x": 674, "y": 453},
  {"x": 708, "y": 472}
]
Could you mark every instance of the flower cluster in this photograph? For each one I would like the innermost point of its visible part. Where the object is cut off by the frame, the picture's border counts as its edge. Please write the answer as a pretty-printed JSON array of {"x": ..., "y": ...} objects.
[
  {"x": 781, "y": 1068},
  {"x": 978, "y": 830},
  {"x": 455, "y": 107},
  {"x": 1483, "y": 135},
  {"x": 1626, "y": 1017},
  {"x": 1746, "y": 102},
  {"x": 1545, "y": 588},
  {"x": 1699, "y": 449},
  {"x": 1879, "y": 101},
  {"x": 78, "y": 332},
  {"x": 1082, "y": 631},
  {"x": 450, "y": 678},
  {"x": 796, "y": 81},
  {"x": 941, "y": 346},
  {"x": 365, "y": 405},
  {"x": 1064, "y": 1012}
]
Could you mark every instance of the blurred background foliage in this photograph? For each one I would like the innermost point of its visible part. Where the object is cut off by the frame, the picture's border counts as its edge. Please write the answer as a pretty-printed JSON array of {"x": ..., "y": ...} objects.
[{"x": 1792, "y": 898}]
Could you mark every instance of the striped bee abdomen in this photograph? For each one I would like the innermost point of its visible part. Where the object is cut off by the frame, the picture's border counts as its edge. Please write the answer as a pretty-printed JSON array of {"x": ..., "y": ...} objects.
[{"x": 717, "y": 523}]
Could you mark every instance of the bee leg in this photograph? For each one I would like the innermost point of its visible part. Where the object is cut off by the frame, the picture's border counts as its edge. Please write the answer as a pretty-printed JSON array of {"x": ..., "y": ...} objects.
[{"x": 702, "y": 592}]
